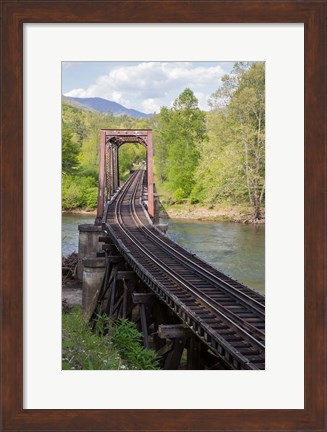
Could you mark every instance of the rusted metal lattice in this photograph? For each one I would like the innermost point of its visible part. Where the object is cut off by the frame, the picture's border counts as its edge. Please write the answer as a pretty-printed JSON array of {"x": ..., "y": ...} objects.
[
  {"x": 107, "y": 171},
  {"x": 111, "y": 140}
]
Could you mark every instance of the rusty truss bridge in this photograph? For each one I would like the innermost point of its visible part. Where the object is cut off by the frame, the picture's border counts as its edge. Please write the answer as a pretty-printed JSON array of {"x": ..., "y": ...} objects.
[{"x": 189, "y": 312}]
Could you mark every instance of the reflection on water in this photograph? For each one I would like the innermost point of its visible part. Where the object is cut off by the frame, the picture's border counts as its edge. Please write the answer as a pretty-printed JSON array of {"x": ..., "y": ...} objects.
[{"x": 235, "y": 249}]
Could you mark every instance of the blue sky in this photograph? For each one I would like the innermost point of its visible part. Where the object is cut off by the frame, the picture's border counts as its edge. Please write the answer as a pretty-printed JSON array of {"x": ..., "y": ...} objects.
[{"x": 145, "y": 86}]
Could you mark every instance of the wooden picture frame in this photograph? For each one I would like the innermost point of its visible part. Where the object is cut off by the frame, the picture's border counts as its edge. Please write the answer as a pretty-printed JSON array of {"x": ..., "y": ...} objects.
[{"x": 14, "y": 15}]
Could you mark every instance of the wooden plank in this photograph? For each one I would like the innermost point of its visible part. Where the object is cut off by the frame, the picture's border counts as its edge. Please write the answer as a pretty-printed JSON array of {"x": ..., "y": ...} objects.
[
  {"x": 174, "y": 331},
  {"x": 145, "y": 298},
  {"x": 116, "y": 306},
  {"x": 109, "y": 247},
  {"x": 144, "y": 325},
  {"x": 112, "y": 299},
  {"x": 125, "y": 300},
  {"x": 174, "y": 356},
  {"x": 194, "y": 354},
  {"x": 105, "y": 239},
  {"x": 165, "y": 349},
  {"x": 127, "y": 275},
  {"x": 115, "y": 259}
]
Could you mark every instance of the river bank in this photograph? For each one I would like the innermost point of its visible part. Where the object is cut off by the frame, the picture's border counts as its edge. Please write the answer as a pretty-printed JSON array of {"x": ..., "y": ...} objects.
[
  {"x": 237, "y": 214},
  {"x": 80, "y": 211}
]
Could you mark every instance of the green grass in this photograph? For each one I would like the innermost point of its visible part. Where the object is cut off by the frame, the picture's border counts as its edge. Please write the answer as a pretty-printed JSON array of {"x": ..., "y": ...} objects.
[
  {"x": 83, "y": 349},
  {"x": 107, "y": 348}
]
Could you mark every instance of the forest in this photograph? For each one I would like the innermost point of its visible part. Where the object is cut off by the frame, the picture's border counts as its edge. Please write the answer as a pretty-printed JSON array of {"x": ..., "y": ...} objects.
[{"x": 209, "y": 159}]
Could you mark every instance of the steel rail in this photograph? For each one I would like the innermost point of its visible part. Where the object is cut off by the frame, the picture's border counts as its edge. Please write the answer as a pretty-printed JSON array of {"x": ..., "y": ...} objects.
[
  {"x": 244, "y": 323},
  {"x": 179, "y": 256},
  {"x": 214, "y": 280},
  {"x": 237, "y": 352},
  {"x": 233, "y": 291},
  {"x": 188, "y": 287},
  {"x": 210, "y": 302},
  {"x": 211, "y": 277}
]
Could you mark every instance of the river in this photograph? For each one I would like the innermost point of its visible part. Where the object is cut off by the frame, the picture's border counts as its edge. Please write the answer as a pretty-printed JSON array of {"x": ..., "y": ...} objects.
[{"x": 235, "y": 249}]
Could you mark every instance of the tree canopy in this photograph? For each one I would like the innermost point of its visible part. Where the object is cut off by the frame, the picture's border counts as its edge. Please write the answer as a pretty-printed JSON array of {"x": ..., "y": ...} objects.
[
  {"x": 179, "y": 142},
  {"x": 236, "y": 149},
  {"x": 80, "y": 153},
  {"x": 70, "y": 151}
]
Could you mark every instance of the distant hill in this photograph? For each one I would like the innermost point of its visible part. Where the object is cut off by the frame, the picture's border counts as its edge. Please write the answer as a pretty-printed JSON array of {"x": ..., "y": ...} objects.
[
  {"x": 106, "y": 106},
  {"x": 68, "y": 101}
]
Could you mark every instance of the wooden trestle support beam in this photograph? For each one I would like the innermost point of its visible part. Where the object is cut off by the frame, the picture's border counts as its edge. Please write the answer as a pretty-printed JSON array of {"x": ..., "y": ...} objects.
[{"x": 123, "y": 295}]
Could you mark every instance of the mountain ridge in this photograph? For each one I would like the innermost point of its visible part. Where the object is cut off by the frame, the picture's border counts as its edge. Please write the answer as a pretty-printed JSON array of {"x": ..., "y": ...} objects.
[{"x": 105, "y": 106}]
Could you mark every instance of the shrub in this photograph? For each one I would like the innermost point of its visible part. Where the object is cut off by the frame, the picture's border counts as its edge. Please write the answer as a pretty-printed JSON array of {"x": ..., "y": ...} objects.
[
  {"x": 128, "y": 340},
  {"x": 72, "y": 194},
  {"x": 79, "y": 191},
  {"x": 91, "y": 197},
  {"x": 179, "y": 195},
  {"x": 108, "y": 347},
  {"x": 83, "y": 349},
  {"x": 196, "y": 194}
]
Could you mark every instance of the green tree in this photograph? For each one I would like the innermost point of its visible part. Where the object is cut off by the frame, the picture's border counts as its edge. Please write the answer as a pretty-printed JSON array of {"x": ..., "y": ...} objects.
[
  {"x": 180, "y": 137},
  {"x": 240, "y": 107},
  {"x": 219, "y": 177},
  {"x": 80, "y": 152},
  {"x": 80, "y": 129},
  {"x": 161, "y": 140},
  {"x": 70, "y": 151},
  {"x": 130, "y": 154}
]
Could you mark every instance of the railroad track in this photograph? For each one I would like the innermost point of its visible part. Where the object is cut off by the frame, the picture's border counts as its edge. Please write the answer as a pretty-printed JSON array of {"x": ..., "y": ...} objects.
[{"x": 228, "y": 316}]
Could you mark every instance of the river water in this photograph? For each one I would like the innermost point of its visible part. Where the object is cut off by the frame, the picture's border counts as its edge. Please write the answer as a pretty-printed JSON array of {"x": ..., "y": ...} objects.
[{"x": 235, "y": 249}]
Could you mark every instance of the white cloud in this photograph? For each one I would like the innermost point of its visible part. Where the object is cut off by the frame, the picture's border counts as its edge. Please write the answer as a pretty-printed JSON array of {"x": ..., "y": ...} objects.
[
  {"x": 79, "y": 92},
  {"x": 203, "y": 99},
  {"x": 148, "y": 86},
  {"x": 150, "y": 105}
]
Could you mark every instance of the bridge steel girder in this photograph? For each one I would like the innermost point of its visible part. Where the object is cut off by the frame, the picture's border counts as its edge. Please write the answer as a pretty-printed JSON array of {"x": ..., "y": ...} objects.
[
  {"x": 150, "y": 175},
  {"x": 110, "y": 141},
  {"x": 110, "y": 190},
  {"x": 101, "y": 183}
]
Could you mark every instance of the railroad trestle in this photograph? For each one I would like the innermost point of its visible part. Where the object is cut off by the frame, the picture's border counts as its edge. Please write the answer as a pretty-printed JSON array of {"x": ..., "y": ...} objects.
[
  {"x": 180, "y": 303},
  {"x": 193, "y": 315},
  {"x": 123, "y": 294}
]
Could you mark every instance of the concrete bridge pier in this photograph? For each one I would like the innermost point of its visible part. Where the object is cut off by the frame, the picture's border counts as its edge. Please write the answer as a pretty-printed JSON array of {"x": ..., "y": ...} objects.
[
  {"x": 93, "y": 274},
  {"x": 88, "y": 244}
]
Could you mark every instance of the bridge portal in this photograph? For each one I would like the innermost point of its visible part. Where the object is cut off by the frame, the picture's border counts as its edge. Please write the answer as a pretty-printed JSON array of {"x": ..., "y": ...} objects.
[{"x": 110, "y": 142}]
